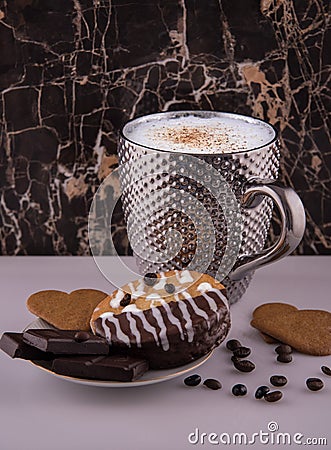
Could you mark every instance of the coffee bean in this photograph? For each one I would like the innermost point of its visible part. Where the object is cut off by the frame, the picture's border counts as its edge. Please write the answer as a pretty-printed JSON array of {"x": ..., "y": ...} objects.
[
  {"x": 273, "y": 396},
  {"x": 284, "y": 357},
  {"x": 326, "y": 370},
  {"x": 278, "y": 380},
  {"x": 243, "y": 365},
  {"x": 192, "y": 380},
  {"x": 242, "y": 352},
  {"x": 150, "y": 279},
  {"x": 232, "y": 344},
  {"x": 170, "y": 288},
  {"x": 125, "y": 300},
  {"x": 261, "y": 392},
  {"x": 239, "y": 390},
  {"x": 82, "y": 336},
  {"x": 314, "y": 384},
  {"x": 283, "y": 349},
  {"x": 212, "y": 384}
]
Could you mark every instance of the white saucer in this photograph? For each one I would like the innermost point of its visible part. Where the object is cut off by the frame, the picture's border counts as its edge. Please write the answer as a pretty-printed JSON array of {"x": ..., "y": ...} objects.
[{"x": 150, "y": 377}]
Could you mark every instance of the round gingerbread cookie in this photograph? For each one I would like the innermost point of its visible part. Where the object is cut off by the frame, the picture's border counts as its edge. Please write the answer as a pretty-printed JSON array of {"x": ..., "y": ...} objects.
[{"x": 170, "y": 320}]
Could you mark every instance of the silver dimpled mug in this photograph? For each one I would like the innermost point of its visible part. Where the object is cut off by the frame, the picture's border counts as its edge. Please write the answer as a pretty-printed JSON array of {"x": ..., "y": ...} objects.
[{"x": 205, "y": 211}]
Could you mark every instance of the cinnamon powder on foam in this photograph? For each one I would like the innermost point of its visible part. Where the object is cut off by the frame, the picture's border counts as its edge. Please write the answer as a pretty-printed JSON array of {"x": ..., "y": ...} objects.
[{"x": 197, "y": 137}]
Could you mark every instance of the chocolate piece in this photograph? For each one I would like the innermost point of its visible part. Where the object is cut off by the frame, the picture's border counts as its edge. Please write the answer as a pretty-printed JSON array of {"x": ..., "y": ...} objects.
[
  {"x": 13, "y": 345},
  {"x": 109, "y": 368},
  {"x": 192, "y": 380},
  {"x": 125, "y": 300},
  {"x": 63, "y": 342},
  {"x": 45, "y": 364},
  {"x": 213, "y": 384},
  {"x": 273, "y": 396}
]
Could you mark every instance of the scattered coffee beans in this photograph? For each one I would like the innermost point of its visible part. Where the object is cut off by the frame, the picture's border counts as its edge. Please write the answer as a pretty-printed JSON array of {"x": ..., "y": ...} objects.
[
  {"x": 239, "y": 390},
  {"x": 125, "y": 300},
  {"x": 243, "y": 365},
  {"x": 170, "y": 288},
  {"x": 326, "y": 370},
  {"x": 273, "y": 396},
  {"x": 212, "y": 384},
  {"x": 241, "y": 352},
  {"x": 150, "y": 279},
  {"x": 284, "y": 357},
  {"x": 278, "y": 380},
  {"x": 261, "y": 391},
  {"x": 283, "y": 349},
  {"x": 232, "y": 344},
  {"x": 314, "y": 384},
  {"x": 192, "y": 380}
]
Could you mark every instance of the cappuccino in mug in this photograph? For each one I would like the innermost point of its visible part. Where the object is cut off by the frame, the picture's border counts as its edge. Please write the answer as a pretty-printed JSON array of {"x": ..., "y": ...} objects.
[
  {"x": 210, "y": 177},
  {"x": 194, "y": 133}
]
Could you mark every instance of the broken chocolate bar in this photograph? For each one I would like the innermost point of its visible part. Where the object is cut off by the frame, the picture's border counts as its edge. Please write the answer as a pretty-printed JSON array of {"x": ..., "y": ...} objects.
[
  {"x": 64, "y": 342},
  {"x": 110, "y": 368},
  {"x": 15, "y": 347}
]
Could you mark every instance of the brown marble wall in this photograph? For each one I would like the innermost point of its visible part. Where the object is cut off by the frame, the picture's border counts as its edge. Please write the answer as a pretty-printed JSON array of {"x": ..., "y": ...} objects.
[{"x": 72, "y": 72}]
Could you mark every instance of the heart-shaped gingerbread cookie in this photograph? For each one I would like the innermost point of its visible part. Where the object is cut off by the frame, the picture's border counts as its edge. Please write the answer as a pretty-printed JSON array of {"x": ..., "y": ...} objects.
[
  {"x": 66, "y": 311},
  {"x": 306, "y": 330}
]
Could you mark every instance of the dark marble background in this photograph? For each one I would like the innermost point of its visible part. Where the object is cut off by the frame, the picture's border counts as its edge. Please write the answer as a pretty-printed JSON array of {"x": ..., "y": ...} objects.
[{"x": 72, "y": 72}]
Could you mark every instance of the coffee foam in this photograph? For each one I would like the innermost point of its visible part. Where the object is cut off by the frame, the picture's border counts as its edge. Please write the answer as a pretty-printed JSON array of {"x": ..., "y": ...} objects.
[{"x": 224, "y": 133}]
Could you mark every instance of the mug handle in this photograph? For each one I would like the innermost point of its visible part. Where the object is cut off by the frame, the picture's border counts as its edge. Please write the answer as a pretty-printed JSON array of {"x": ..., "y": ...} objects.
[{"x": 293, "y": 221}]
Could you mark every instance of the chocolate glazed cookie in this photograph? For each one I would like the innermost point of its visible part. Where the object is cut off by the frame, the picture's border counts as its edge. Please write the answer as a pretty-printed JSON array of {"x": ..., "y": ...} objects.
[{"x": 168, "y": 330}]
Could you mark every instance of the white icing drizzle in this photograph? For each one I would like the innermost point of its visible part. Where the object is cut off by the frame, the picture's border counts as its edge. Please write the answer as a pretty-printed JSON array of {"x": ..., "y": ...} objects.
[
  {"x": 149, "y": 327},
  {"x": 224, "y": 300},
  {"x": 174, "y": 320},
  {"x": 221, "y": 296},
  {"x": 163, "y": 333},
  {"x": 203, "y": 287},
  {"x": 212, "y": 304},
  {"x": 105, "y": 328},
  {"x": 155, "y": 297},
  {"x": 139, "y": 291},
  {"x": 187, "y": 317},
  {"x": 131, "y": 308},
  {"x": 120, "y": 335},
  {"x": 195, "y": 307},
  {"x": 184, "y": 276},
  {"x": 115, "y": 302},
  {"x": 134, "y": 329},
  {"x": 160, "y": 284}
]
